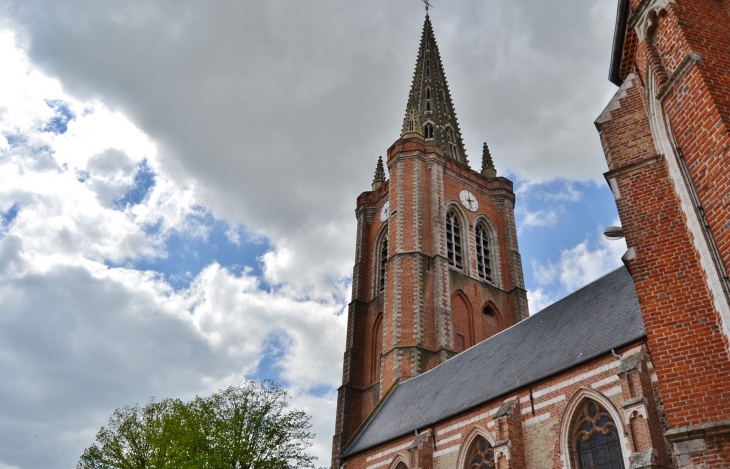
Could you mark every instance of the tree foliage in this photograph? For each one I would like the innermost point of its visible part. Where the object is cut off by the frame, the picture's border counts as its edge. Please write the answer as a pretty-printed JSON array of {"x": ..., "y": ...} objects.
[{"x": 243, "y": 427}]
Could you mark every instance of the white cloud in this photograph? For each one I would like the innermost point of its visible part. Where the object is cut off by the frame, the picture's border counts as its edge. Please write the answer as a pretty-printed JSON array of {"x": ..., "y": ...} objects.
[
  {"x": 539, "y": 218},
  {"x": 538, "y": 299},
  {"x": 277, "y": 131},
  {"x": 577, "y": 267},
  {"x": 79, "y": 338}
]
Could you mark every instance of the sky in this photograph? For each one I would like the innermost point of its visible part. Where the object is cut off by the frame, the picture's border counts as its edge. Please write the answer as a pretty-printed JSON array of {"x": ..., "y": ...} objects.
[{"x": 178, "y": 182}]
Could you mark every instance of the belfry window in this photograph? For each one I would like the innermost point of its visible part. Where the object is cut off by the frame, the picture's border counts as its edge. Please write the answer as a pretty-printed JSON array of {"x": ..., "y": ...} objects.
[
  {"x": 595, "y": 442},
  {"x": 453, "y": 240},
  {"x": 481, "y": 455},
  {"x": 428, "y": 131},
  {"x": 484, "y": 262},
  {"x": 452, "y": 142},
  {"x": 382, "y": 264}
]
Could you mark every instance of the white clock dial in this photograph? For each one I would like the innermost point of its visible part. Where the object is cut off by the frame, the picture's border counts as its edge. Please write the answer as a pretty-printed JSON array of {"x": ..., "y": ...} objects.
[
  {"x": 385, "y": 211},
  {"x": 469, "y": 201}
]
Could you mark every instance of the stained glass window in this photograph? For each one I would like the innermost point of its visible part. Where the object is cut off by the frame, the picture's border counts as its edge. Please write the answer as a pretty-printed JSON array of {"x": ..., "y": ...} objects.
[
  {"x": 596, "y": 443},
  {"x": 481, "y": 455}
]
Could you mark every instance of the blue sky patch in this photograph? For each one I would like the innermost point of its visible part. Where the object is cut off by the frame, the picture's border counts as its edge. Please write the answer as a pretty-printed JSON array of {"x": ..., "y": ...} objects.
[
  {"x": 6, "y": 218},
  {"x": 559, "y": 215},
  {"x": 144, "y": 181},
  {"x": 59, "y": 123},
  {"x": 15, "y": 140},
  {"x": 82, "y": 176},
  {"x": 205, "y": 241},
  {"x": 274, "y": 350}
]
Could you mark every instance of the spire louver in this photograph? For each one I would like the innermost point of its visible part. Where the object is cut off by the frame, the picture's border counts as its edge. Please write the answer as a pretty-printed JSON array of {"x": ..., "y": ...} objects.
[
  {"x": 430, "y": 101},
  {"x": 488, "y": 169},
  {"x": 379, "y": 178}
]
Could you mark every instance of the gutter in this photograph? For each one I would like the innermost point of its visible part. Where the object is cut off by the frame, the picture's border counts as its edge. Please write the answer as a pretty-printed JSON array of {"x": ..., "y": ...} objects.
[{"x": 619, "y": 38}]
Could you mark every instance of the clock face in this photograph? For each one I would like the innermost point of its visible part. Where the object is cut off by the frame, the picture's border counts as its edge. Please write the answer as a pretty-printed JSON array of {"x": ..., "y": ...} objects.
[
  {"x": 469, "y": 201},
  {"x": 385, "y": 211}
]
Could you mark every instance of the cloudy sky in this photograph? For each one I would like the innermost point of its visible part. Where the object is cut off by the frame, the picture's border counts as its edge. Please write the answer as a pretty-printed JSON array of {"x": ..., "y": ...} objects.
[{"x": 178, "y": 180}]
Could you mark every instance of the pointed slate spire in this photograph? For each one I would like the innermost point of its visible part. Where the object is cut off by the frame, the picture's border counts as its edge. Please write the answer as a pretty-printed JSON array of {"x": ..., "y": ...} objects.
[
  {"x": 488, "y": 169},
  {"x": 431, "y": 100},
  {"x": 379, "y": 178}
]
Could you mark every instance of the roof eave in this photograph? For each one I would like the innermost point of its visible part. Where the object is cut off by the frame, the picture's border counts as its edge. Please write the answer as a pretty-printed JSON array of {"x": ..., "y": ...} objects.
[
  {"x": 619, "y": 39},
  {"x": 512, "y": 390}
]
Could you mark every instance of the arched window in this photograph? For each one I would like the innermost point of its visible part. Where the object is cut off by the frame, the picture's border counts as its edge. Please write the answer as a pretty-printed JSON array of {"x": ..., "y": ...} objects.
[
  {"x": 382, "y": 263},
  {"x": 453, "y": 240},
  {"x": 428, "y": 93},
  {"x": 481, "y": 455},
  {"x": 595, "y": 440},
  {"x": 484, "y": 262},
  {"x": 428, "y": 68},
  {"x": 428, "y": 131}
]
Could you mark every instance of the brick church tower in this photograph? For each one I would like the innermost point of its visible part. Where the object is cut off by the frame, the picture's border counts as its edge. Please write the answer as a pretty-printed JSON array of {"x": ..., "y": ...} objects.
[
  {"x": 437, "y": 267},
  {"x": 666, "y": 136}
]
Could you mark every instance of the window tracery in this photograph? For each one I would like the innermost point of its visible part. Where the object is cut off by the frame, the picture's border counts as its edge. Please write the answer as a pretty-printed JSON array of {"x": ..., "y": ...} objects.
[
  {"x": 595, "y": 439},
  {"x": 484, "y": 261},
  {"x": 453, "y": 240},
  {"x": 481, "y": 455}
]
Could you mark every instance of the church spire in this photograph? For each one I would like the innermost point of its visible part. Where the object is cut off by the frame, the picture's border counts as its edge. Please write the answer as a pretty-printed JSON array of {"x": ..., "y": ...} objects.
[
  {"x": 379, "y": 178},
  {"x": 430, "y": 99},
  {"x": 488, "y": 169}
]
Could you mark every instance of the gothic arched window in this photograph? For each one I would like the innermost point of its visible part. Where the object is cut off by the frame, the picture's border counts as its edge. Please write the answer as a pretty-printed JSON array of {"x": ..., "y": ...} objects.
[
  {"x": 428, "y": 68},
  {"x": 428, "y": 93},
  {"x": 428, "y": 131},
  {"x": 595, "y": 441},
  {"x": 484, "y": 261},
  {"x": 481, "y": 455},
  {"x": 453, "y": 240},
  {"x": 382, "y": 261}
]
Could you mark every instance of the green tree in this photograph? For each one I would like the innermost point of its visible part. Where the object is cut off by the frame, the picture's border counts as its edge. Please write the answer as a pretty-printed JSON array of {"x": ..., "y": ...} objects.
[{"x": 242, "y": 427}]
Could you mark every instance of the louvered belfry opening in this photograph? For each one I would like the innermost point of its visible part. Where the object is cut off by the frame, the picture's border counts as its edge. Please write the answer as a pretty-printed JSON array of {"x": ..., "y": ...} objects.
[{"x": 453, "y": 240}]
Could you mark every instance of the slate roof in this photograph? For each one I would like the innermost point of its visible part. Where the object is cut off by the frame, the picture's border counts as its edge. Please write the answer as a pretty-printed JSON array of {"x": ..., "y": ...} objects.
[{"x": 586, "y": 324}]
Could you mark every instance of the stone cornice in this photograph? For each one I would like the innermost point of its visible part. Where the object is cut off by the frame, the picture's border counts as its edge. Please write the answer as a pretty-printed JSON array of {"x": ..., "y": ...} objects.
[{"x": 700, "y": 430}]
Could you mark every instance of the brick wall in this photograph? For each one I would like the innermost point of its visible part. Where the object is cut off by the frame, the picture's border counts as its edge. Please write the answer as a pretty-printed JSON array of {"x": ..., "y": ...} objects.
[
  {"x": 667, "y": 143},
  {"x": 540, "y": 413},
  {"x": 418, "y": 325}
]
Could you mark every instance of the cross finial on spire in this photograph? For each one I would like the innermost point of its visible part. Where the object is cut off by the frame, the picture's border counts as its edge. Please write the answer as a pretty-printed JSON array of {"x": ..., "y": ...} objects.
[{"x": 428, "y": 5}]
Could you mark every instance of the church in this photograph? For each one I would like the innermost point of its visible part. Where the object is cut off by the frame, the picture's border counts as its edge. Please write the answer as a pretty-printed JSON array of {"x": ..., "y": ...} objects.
[{"x": 444, "y": 367}]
